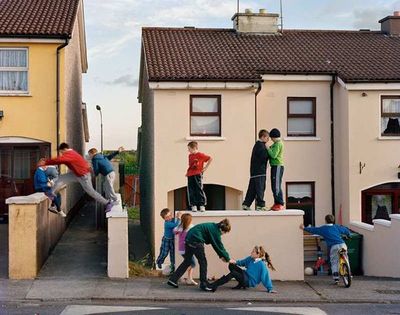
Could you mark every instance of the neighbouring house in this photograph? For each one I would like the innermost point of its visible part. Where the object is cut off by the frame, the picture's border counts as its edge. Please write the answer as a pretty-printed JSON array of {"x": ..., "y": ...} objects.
[
  {"x": 335, "y": 96},
  {"x": 42, "y": 58}
]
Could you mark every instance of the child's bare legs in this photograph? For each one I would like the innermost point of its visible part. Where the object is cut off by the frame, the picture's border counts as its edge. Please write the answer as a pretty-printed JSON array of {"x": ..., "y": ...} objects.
[{"x": 190, "y": 277}]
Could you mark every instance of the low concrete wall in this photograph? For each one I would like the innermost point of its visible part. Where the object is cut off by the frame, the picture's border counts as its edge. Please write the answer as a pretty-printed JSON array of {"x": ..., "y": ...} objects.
[
  {"x": 118, "y": 242},
  {"x": 381, "y": 246},
  {"x": 277, "y": 231},
  {"x": 33, "y": 233}
]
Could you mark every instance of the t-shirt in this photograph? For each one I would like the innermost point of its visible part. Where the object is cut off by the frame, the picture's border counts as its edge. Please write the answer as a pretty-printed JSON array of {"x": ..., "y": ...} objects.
[{"x": 196, "y": 163}]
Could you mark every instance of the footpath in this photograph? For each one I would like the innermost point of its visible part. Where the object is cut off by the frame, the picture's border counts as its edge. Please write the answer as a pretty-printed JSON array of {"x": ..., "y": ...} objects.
[{"x": 76, "y": 271}]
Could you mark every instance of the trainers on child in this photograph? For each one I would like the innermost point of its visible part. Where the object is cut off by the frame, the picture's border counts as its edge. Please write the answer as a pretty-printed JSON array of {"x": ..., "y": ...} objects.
[
  {"x": 172, "y": 284},
  {"x": 202, "y": 208},
  {"x": 261, "y": 208},
  {"x": 247, "y": 208},
  {"x": 62, "y": 213},
  {"x": 191, "y": 282},
  {"x": 109, "y": 206},
  {"x": 53, "y": 209},
  {"x": 194, "y": 208}
]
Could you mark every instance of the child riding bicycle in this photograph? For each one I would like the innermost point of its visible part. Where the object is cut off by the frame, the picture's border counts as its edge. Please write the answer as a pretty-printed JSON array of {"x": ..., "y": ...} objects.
[{"x": 332, "y": 234}]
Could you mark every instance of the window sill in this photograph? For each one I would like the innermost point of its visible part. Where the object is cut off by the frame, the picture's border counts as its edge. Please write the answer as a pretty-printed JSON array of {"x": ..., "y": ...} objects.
[
  {"x": 302, "y": 139},
  {"x": 389, "y": 138},
  {"x": 15, "y": 94},
  {"x": 205, "y": 138}
]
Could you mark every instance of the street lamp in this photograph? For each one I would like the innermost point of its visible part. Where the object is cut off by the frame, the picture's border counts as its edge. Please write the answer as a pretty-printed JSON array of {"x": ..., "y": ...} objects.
[{"x": 101, "y": 126}]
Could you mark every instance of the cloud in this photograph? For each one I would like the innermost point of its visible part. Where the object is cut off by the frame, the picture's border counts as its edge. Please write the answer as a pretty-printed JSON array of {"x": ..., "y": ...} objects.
[
  {"x": 368, "y": 17},
  {"x": 124, "y": 80}
]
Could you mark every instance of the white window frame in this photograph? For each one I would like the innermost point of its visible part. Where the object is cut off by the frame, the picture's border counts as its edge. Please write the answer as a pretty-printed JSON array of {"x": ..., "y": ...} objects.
[
  {"x": 381, "y": 135},
  {"x": 313, "y": 116},
  {"x": 17, "y": 69}
]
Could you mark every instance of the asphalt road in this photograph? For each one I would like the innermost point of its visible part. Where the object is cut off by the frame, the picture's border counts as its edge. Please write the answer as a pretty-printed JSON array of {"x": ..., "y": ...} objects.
[{"x": 197, "y": 309}]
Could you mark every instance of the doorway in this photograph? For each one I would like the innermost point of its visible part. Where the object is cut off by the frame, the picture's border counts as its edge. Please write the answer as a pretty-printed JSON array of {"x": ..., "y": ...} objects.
[
  {"x": 380, "y": 202},
  {"x": 17, "y": 167}
]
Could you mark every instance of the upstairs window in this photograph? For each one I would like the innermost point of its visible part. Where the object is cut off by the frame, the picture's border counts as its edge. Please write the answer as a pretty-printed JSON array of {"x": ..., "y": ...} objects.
[
  {"x": 13, "y": 70},
  {"x": 205, "y": 115},
  {"x": 301, "y": 116},
  {"x": 390, "y": 116}
]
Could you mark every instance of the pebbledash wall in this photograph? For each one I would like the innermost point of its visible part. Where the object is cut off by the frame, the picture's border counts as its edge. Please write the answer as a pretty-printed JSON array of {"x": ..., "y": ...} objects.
[
  {"x": 358, "y": 139},
  {"x": 231, "y": 152}
]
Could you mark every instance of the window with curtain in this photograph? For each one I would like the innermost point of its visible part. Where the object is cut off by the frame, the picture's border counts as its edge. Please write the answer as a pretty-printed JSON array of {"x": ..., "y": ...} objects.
[
  {"x": 390, "y": 116},
  {"x": 13, "y": 70},
  {"x": 301, "y": 116},
  {"x": 205, "y": 115},
  {"x": 300, "y": 195}
]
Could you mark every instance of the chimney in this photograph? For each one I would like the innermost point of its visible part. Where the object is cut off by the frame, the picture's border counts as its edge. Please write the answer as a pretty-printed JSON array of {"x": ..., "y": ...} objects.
[
  {"x": 391, "y": 24},
  {"x": 256, "y": 23}
]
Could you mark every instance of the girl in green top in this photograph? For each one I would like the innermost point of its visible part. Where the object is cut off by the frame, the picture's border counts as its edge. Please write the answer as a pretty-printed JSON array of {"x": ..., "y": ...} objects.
[{"x": 275, "y": 153}]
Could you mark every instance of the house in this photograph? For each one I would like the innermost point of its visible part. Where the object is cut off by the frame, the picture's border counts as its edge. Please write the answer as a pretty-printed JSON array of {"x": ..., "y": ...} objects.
[
  {"x": 42, "y": 58},
  {"x": 335, "y": 96}
]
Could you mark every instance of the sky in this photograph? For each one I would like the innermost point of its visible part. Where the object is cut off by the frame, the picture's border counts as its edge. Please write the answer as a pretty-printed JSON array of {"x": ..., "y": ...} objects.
[{"x": 113, "y": 35}]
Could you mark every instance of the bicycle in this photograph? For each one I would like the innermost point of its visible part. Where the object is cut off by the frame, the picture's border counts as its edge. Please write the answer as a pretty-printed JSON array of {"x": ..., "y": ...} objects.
[{"x": 344, "y": 267}]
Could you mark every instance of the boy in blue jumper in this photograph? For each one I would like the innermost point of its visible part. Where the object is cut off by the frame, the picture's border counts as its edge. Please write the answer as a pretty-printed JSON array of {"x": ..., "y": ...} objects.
[
  {"x": 255, "y": 271},
  {"x": 101, "y": 165},
  {"x": 168, "y": 242},
  {"x": 42, "y": 183},
  {"x": 332, "y": 234}
]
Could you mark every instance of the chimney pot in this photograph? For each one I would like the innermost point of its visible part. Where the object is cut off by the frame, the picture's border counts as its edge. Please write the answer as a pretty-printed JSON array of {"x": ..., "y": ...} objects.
[{"x": 260, "y": 22}]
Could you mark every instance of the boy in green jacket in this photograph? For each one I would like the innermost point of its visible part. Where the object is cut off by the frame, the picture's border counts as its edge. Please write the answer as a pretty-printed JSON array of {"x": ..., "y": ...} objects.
[
  {"x": 200, "y": 234},
  {"x": 275, "y": 152}
]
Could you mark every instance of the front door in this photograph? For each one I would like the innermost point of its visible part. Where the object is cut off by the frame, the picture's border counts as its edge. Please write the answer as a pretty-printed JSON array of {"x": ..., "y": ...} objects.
[{"x": 17, "y": 167}]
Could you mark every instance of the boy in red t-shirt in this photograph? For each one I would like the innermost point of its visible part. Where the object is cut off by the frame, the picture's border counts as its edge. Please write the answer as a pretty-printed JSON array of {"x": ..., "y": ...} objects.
[{"x": 197, "y": 197}]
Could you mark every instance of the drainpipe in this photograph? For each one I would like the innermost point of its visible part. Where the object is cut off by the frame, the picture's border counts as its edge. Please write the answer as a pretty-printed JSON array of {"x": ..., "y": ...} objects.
[
  {"x": 332, "y": 144},
  {"x": 255, "y": 109},
  {"x": 58, "y": 92}
]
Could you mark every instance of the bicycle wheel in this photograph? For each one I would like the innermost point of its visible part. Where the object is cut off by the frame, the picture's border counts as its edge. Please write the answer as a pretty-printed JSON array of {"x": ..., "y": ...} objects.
[{"x": 345, "y": 273}]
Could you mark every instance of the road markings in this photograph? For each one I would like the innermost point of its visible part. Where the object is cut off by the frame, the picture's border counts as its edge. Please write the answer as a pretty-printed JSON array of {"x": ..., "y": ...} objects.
[
  {"x": 98, "y": 309},
  {"x": 286, "y": 310}
]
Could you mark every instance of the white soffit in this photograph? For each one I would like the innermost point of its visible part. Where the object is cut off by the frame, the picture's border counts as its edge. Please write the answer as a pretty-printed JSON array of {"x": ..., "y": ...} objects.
[
  {"x": 31, "y": 40},
  {"x": 172, "y": 85},
  {"x": 19, "y": 140},
  {"x": 370, "y": 86},
  {"x": 296, "y": 77}
]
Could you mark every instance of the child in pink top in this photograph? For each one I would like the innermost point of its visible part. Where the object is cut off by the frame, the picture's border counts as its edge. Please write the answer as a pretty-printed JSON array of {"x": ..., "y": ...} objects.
[{"x": 181, "y": 231}]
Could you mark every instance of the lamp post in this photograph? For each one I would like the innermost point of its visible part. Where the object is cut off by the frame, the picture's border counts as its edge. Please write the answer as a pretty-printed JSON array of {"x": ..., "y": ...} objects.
[{"x": 101, "y": 126}]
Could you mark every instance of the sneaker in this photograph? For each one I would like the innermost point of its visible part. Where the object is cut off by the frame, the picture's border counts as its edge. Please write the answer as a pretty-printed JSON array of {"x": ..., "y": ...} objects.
[
  {"x": 159, "y": 266},
  {"x": 108, "y": 207},
  {"x": 207, "y": 288},
  {"x": 276, "y": 207},
  {"x": 172, "y": 284},
  {"x": 202, "y": 208},
  {"x": 194, "y": 208},
  {"x": 191, "y": 282},
  {"x": 261, "y": 208},
  {"x": 62, "y": 213},
  {"x": 246, "y": 208},
  {"x": 272, "y": 291},
  {"x": 53, "y": 209}
]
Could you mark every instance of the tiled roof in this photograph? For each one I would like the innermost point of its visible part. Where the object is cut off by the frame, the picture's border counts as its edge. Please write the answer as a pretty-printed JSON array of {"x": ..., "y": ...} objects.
[
  {"x": 37, "y": 18},
  {"x": 222, "y": 54}
]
